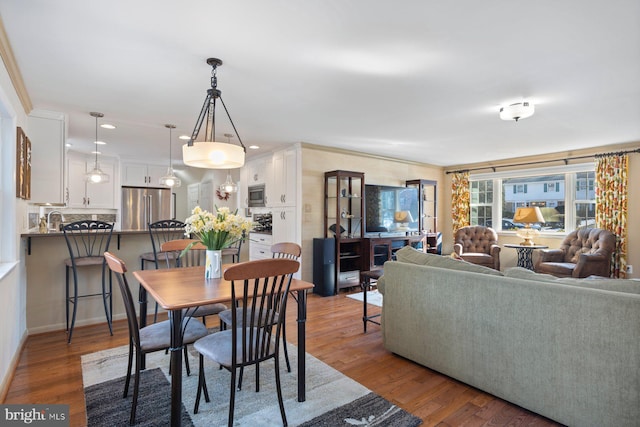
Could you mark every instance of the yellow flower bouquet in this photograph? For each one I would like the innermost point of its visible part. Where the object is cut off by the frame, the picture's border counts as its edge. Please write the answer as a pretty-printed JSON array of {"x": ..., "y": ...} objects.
[{"x": 217, "y": 230}]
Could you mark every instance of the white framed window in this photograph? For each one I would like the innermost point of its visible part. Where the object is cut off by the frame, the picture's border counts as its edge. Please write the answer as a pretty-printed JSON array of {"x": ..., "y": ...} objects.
[{"x": 564, "y": 194}]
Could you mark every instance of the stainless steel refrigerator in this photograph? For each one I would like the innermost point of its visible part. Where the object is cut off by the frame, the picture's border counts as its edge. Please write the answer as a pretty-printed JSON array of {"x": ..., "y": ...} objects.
[{"x": 142, "y": 206}]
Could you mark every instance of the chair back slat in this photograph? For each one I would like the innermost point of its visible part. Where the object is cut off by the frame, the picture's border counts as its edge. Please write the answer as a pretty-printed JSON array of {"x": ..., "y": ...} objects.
[{"x": 164, "y": 231}]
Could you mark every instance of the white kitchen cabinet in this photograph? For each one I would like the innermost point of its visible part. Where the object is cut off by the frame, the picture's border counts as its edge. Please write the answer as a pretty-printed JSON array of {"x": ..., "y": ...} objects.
[
  {"x": 142, "y": 175},
  {"x": 260, "y": 246},
  {"x": 79, "y": 193},
  {"x": 257, "y": 171},
  {"x": 284, "y": 225},
  {"x": 283, "y": 188},
  {"x": 46, "y": 131}
]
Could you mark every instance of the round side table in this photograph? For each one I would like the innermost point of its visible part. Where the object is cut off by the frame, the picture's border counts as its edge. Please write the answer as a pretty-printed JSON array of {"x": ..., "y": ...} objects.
[{"x": 525, "y": 254}]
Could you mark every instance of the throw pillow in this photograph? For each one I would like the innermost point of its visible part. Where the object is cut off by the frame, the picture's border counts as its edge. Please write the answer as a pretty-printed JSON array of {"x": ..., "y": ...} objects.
[{"x": 413, "y": 256}]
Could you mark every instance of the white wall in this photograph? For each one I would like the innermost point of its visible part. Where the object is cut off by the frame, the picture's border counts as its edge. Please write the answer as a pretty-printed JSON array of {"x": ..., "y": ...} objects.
[{"x": 13, "y": 330}]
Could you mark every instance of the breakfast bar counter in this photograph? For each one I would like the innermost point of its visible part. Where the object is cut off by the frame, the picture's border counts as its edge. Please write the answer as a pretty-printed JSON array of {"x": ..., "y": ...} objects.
[{"x": 45, "y": 271}]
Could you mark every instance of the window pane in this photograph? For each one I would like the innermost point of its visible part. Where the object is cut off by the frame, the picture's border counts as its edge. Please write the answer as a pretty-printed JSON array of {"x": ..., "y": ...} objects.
[
  {"x": 584, "y": 186},
  {"x": 586, "y": 215},
  {"x": 546, "y": 192},
  {"x": 481, "y": 199}
]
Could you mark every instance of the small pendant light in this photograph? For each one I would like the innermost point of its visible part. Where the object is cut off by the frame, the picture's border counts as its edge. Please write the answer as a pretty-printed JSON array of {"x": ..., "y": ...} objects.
[
  {"x": 229, "y": 186},
  {"x": 170, "y": 179},
  {"x": 96, "y": 176}
]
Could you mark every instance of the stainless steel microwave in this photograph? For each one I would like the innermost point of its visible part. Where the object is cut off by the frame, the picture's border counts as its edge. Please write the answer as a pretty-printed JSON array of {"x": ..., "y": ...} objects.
[{"x": 257, "y": 196}]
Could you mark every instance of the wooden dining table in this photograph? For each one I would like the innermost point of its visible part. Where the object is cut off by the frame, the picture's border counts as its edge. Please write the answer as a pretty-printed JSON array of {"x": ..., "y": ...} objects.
[{"x": 175, "y": 289}]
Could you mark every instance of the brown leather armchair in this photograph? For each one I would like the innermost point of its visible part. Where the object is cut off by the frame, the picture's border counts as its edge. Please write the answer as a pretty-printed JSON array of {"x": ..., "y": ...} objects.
[
  {"x": 478, "y": 245},
  {"x": 583, "y": 253}
]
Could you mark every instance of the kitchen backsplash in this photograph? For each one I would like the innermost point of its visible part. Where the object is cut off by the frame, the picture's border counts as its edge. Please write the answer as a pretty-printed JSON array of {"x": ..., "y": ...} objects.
[{"x": 71, "y": 217}]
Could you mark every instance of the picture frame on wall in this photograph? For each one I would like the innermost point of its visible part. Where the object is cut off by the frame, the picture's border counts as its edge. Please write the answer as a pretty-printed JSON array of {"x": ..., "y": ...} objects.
[{"x": 23, "y": 165}]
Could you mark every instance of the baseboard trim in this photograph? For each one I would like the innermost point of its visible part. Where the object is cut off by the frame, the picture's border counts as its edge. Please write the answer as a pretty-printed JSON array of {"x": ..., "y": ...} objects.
[{"x": 6, "y": 382}]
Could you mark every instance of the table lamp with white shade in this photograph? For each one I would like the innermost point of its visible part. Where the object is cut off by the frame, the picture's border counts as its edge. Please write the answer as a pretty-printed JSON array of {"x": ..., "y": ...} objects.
[{"x": 528, "y": 216}]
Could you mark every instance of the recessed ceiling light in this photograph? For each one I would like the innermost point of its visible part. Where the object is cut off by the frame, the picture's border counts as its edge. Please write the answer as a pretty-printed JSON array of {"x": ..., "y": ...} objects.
[
  {"x": 68, "y": 145},
  {"x": 100, "y": 143},
  {"x": 96, "y": 152},
  {"x": 107, "y": 126},
  {"x": 184, "y": 137},
  {"x": 254, "y": 147}
]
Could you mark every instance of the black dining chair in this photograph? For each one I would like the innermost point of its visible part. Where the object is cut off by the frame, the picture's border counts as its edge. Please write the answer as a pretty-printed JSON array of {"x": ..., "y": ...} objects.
[
  {"x": 286, "y": 250},
  {"x": 87, "y": 241},
  {"x": 154, "y": 337},
  {"x": 254, "y": 335}
]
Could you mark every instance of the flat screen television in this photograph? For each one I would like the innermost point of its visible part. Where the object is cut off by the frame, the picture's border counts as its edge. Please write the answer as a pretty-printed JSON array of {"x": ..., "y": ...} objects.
[{"x": 390, "y": 209}]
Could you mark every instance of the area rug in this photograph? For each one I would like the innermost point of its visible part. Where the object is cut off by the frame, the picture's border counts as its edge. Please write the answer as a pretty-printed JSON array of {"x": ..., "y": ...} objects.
[
  {"x": 333, "y": 399},
  {"x": 373, "y": 297}
]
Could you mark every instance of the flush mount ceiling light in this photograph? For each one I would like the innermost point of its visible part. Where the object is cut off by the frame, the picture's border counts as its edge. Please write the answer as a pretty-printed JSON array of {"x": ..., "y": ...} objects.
[
  {"x": 96, "y": 176},
  {"x": 170, "y": 179},
  {"x": 517, "y": 111},
  {"x": 210, "y": 153}
]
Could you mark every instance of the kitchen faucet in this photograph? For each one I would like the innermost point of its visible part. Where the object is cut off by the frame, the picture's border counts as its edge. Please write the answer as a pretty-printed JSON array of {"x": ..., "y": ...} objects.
[{"x": 49, "y": 218}]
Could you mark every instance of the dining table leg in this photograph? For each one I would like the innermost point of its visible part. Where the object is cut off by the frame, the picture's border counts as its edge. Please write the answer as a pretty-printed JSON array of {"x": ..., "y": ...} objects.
[
  {"x": 302, "y": 319},
  {"x": 176, "y": 367},
  {"x": 142, "y": 321}
]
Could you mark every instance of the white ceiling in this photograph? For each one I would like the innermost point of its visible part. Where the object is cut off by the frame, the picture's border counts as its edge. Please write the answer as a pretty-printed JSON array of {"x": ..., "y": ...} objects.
[{"x": 419, "y": 80}]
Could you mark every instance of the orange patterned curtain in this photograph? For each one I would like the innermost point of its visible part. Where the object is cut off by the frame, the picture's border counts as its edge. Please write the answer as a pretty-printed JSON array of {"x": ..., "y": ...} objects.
[
  {"x": 611, "y": 205},
  {"x": 460, "y": 199}
]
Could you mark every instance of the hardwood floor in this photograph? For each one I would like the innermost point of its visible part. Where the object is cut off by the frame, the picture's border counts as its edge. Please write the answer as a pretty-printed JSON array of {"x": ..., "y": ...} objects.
[{"x": 49, "y": 369}]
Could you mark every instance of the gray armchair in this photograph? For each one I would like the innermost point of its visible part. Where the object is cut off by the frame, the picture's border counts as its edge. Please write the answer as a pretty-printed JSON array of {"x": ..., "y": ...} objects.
[
  {"x": 584, "y": 252},
  {"x": 478, "y": 245}
]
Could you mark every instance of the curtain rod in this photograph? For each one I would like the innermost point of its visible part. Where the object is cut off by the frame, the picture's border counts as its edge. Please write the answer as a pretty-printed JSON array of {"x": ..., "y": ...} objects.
[{"x": 565, "y": 160}]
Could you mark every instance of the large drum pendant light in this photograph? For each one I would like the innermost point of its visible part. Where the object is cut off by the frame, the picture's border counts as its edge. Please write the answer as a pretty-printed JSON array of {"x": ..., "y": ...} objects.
[{"x": 210, "y": 153}]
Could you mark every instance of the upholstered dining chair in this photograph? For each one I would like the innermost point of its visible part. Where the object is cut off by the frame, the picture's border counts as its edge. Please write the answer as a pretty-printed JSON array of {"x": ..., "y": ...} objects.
[
  {"x": 195, "y": 256},
  {"x": 584, "y": 252},
  {"x": 154, "y": 337},
  {"x": 287, "y": 250},
  {"x": 479, "y": 245},
  {"x": 87, "y": 241},
  {"x": 254, "y": 336}
]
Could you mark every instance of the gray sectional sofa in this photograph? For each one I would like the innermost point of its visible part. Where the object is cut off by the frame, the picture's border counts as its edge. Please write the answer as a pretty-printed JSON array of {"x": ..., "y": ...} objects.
[{"x": 568, "y": 349}]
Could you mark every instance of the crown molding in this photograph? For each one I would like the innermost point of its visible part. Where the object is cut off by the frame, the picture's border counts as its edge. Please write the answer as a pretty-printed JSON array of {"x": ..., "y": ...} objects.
[
  {"x": 363, "y": 154},
  {"x": 14, "y": 72}
]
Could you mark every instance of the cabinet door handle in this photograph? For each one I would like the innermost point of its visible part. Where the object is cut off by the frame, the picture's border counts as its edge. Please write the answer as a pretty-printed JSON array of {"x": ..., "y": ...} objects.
[{"x": 88, "y": 201}]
